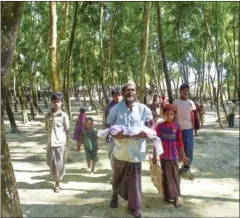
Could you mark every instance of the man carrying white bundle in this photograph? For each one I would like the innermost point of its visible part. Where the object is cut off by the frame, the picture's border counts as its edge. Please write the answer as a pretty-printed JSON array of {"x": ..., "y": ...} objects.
[{"x": 127, "y": 151}]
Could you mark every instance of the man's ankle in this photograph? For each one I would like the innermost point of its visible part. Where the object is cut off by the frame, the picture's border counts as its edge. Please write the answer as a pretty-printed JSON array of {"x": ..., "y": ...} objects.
[{"x": 114, "y": 200}]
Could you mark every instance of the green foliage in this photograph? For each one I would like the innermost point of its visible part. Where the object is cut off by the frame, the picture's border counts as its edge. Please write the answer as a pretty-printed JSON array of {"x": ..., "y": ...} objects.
[{"x": 184, "y": 35}]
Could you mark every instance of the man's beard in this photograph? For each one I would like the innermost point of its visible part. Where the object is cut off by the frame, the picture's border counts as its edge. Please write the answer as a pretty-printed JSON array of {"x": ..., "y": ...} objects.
[{"x": 130, "y": 99}]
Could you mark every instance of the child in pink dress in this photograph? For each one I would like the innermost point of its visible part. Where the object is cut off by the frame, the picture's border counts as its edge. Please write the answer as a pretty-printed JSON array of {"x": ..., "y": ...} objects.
[{"x": 79, "y": 125}]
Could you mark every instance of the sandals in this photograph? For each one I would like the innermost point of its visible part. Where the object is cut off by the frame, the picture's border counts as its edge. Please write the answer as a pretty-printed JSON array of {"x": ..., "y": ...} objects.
[
  {"x": 113, "y": 204},
  {"x": 56, "y": 189},
  {"x": 114, "y": 201},
  {"x": 177, "y": 203}
]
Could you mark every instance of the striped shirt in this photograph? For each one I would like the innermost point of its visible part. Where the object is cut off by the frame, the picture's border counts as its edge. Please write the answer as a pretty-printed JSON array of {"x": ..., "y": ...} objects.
[{"x": 171, "y": 137}]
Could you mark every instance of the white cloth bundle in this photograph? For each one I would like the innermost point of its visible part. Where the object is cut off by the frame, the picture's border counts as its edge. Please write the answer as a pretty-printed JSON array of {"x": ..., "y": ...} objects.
[{"x": 115, "y": 129}]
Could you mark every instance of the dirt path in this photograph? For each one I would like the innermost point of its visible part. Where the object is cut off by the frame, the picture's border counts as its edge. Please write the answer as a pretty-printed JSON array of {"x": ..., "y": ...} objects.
[{"x": 213, "y": 193}]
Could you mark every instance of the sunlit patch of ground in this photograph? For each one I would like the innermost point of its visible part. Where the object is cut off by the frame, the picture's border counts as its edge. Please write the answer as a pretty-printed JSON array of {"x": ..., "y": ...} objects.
[{"x": 213, "y": 193}]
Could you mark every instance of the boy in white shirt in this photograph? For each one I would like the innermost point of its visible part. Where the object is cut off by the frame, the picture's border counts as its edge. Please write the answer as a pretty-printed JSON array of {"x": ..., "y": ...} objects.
[
  {"x": 57, "y": 127},
  {"x": 231, "y": 114},
  {"x": 185, "y": 118}
]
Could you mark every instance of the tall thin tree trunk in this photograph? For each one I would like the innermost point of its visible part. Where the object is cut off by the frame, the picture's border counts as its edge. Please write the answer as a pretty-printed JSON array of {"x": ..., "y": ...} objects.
[
  {"x": 238, "y": 55},
  {"x": 203, "y": 45},
  {"x": 158, "y": 84},
  {"x": 67, "y": 71},
  {"x": 68, "y": 61},
  {"x": 59, "y": 38},
  {"x": 14, "y": 85},
  {"x": 11, "y": 118},
  {"x": 102, "y": 58},
  {"x": 162, "y": 50},
  {"x": 22, "y": 101},
  {"x": 110, "y": 72},
  {"x": 210, "y": 90},
  {"x": 235, "y": 91},
  {"x": 19, "y": 91},
  {"x": 11, "y": 15},
  {"x": 89, "y": 88},
  {"x": 215, "y": 56},
  {"x": 55, "y": 81},
  {"x": 144, "y": 55},
  {"x": 32, "y": 108}
]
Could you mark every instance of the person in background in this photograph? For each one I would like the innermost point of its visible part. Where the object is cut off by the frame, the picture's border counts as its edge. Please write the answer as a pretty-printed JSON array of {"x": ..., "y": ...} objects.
[
  {"x": 79, "y": 126},
  {"x": 57, "y": 127},
  {"x": 89, "y": 139},
  {"x": 185, "y": 118},
  {"x": 39, "y": 95},
  {"x": 231, "y": 114},
  {"x": 116, "y": 98},
  {"x": 155, "y": 107},
  {"x": 149, "y": 98},
  {"x": 171, "y": 137},
  {"x": 201, "y": 114},
  {"x": 163, "y": 102},
  {"x": 127, "y": 152},
  {"x": 196, "y": 119}
]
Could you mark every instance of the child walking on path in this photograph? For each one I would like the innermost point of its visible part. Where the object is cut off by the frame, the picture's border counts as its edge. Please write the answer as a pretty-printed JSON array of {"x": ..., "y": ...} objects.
[
  {"x": 79, "y": 124},
  {"x": 196, "y": 118},
  {"x": 57, "y": 127},
  {"x": 171, "y": 137},
  {"x": 201, "y": 114},
  {"x": 89, "y": 139},
  {"x": 185, "y": 119},
  {"x": 231, "y": 114}
]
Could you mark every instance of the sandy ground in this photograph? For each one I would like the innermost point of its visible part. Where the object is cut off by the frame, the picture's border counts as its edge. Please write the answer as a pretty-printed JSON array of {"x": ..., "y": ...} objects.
[{"x": 213, "y": 193}]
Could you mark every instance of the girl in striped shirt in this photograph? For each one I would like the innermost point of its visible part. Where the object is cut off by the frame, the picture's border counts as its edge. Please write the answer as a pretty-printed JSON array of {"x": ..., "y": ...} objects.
[{"x": 171, "y": 137}]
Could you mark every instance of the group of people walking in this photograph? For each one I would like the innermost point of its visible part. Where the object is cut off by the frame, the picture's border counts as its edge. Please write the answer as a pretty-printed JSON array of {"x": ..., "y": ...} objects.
[{"x": 126, "y": 152}]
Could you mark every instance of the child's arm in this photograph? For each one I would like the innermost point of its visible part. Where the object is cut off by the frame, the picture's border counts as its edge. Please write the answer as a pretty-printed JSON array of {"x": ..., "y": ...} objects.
[
  {"x": 79, "y": 143},
  {"x": 96, "y": 138},
  {"x": 66, "y": 125},
  {"x": 154, "y": 158},
  {"x": 192, "y": 118},
  {"x": 185, "y": 160}
]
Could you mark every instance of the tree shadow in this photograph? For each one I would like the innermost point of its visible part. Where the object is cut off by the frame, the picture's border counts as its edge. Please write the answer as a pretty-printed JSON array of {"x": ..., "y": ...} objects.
[
  {"x": 90, "y": 210},
  {"x": 85, "y": 170},
  {"x": 96, "y": 204},
  {"x": 33, "y": 158},
  {"x": 32, "y": 171},
  {"x": 187, "y": 197},
  {"x": 38, "y": 185},
  {"x": 77, "y": 178}
]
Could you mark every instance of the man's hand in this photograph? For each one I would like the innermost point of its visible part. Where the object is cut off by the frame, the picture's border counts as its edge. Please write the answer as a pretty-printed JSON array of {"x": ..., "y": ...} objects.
[
  {"x": 154, "y": 159},
  {"x": 141, "y": 135},
  {"x": 119, "y": 135},
  {"x": 185, "y": 160}
]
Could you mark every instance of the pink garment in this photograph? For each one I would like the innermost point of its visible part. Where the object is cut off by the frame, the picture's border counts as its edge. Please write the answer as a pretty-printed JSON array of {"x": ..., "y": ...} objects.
[{"x": 79, "y": 126}]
